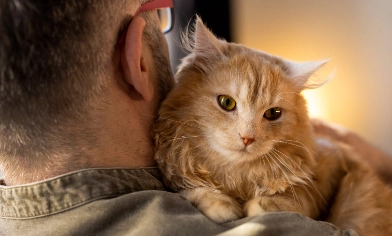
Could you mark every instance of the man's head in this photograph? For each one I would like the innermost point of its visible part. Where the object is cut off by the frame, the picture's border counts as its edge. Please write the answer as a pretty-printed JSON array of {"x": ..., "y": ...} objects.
[{"x": 61, "y": 69}]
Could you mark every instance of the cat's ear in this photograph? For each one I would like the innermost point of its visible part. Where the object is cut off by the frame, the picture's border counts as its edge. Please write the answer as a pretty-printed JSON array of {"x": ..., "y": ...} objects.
[
  {"x": 205, "y": 43},
  {"x": 301, "y": 74}
]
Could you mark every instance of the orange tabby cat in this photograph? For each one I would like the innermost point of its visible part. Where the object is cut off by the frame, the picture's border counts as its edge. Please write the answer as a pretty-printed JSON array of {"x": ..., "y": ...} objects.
[{"x": 234, "y": 138}]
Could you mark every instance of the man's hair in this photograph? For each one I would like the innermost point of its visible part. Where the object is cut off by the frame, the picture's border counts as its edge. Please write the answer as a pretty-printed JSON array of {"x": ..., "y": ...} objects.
[{"x": 53, "y": 55}]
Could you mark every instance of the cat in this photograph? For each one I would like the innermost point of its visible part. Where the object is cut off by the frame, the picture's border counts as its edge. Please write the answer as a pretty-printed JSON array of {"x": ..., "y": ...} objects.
[{"x": 234, "y": 138}]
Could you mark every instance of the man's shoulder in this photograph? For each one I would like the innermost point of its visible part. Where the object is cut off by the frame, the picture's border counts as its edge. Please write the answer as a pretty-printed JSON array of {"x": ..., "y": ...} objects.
[{"x": 127, "y": 202}]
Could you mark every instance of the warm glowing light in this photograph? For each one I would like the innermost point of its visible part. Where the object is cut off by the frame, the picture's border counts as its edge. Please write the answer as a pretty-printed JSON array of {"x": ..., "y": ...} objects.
[{"x": 315, "y": 101}]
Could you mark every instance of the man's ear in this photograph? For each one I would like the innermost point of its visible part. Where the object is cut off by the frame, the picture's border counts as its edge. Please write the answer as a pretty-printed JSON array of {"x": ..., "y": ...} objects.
[{"x": 134, "y": 67}]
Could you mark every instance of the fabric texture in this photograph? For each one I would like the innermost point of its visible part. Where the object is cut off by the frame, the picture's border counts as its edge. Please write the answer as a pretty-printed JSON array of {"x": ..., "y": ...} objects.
[{"x": 128, "y": 202}]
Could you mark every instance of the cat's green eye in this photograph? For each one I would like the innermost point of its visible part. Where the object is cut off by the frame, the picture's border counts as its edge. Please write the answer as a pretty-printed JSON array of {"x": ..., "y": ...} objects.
[
  {"x": 273, "y": 113},
  {"x": 226, "y": 102}
]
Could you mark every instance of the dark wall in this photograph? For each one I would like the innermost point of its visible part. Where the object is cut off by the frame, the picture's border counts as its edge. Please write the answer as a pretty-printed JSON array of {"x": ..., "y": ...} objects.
[{"x": 214, "y": 13}]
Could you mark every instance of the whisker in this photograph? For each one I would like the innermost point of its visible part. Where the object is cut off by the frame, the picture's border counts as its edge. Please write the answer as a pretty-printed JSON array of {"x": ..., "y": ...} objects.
[
  {"x": 273, "y": 171},
  {"x": 183, "y": 122},
  {"x": 199, "y": 145},
  {"x": 280, "y": 159},
  {"x": 291, "y": 185},
  {"x": 195, "y": 156},
  {"x": 208, "y": 153},
  {"x": 306, "y": 175},
  {"x": 262, "y": 159},
  {"x": 273, "y": 151},
  {"x": 184, "y": 137},
  {"x": 203, "y": 150},
  {"x": 297, "y": 145}
]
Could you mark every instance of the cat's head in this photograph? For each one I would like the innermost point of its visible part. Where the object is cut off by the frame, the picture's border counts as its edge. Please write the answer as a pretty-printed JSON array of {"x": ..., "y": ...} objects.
[{"x": 238, "y": 102}]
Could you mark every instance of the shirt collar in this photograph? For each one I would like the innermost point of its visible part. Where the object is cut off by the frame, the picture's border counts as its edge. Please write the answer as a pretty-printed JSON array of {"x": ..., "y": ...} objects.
[{"x": 73, "y": 189}]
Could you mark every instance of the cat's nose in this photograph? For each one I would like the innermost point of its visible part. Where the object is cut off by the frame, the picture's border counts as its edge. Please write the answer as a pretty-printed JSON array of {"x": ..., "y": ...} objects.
[{"x": 248, "y": 140}]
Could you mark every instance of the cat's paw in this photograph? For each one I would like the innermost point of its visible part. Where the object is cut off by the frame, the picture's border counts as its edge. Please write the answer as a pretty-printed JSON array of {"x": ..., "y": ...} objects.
[
  {"x": 215, "y": 205},
  {"x": 260, "y": 205},
  {"x": 253, "y": 207},
  {"x": 221, "y": 210}
]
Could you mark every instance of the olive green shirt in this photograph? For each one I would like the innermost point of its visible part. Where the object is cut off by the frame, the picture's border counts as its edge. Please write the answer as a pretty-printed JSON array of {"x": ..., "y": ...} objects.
[{"x": 128, "y": 202}]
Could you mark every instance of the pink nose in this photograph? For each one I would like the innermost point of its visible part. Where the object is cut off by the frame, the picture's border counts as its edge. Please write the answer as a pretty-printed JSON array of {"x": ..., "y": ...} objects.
[{"x": 248, "y": 140}]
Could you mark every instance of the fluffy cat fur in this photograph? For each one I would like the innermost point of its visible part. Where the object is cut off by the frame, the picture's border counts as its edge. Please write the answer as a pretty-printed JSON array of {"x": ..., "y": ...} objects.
[{"x": 237, "y": 163}]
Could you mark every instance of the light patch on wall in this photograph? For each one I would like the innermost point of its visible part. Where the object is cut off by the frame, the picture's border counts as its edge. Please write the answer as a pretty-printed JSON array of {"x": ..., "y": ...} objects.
[
  {"x": 315, "y": 101},
  {"x": 354, "y": 33}
]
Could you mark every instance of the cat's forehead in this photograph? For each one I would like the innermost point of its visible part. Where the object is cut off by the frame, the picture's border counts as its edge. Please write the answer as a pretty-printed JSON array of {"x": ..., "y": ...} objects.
[
  {"x": 256, "y": 89},
  {"x": 257, "y": 60},
  {"x": 254, "y": 74}
]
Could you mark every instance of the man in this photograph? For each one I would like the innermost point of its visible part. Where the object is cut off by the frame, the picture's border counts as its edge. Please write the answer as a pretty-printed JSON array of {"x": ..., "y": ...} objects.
[{"x": 80, "y": 82}]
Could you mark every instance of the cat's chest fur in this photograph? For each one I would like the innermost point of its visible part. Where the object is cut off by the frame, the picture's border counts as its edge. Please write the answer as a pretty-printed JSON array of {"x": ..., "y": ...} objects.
[{"x": 263, "y": 175}]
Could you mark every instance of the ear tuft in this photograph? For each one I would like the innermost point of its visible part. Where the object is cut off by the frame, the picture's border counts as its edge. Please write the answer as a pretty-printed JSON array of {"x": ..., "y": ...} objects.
[
  {"x": 197, "y": 38},
  {"x": 301, "y": 73},
  {"x": 205, "y": 40}
]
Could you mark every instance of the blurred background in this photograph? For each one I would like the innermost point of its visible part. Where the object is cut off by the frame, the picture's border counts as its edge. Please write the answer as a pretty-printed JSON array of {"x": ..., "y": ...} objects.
[{"x": 355, "y": 34}]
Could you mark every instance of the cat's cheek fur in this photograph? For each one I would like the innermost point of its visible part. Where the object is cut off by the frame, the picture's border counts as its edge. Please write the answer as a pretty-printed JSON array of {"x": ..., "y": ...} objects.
[
  {"x": 216, "y": 205},
  {"x": 224, "y": 143}
]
